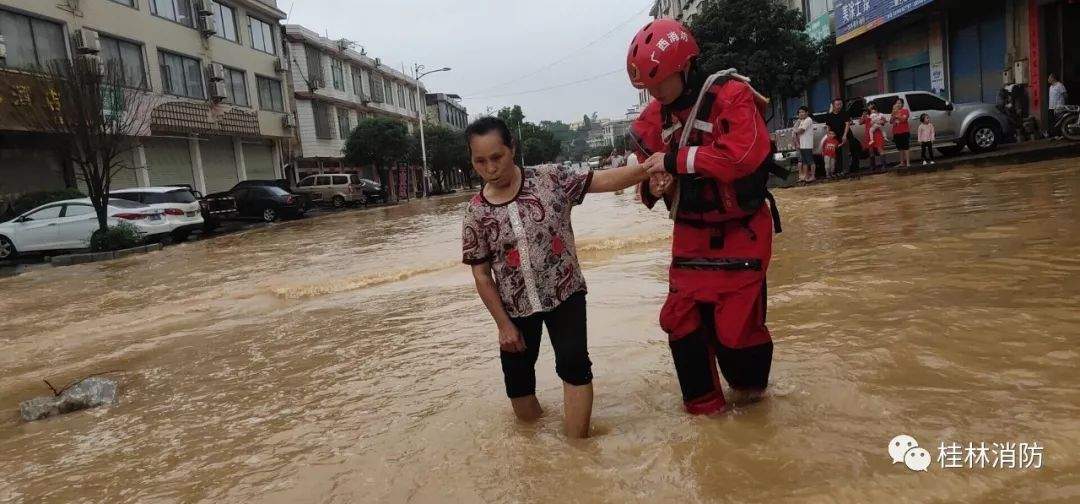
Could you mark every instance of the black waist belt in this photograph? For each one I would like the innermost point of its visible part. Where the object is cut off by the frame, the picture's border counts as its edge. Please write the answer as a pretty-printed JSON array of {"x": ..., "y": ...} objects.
[{"x": 724, "y": 264}]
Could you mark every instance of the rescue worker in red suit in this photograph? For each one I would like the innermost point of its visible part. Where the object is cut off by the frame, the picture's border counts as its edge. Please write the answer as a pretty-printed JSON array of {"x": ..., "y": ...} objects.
[{"x": 704, "y": 140}]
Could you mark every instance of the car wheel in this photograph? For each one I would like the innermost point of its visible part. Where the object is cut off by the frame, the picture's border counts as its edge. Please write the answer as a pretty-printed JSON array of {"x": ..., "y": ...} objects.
[
  {"x": 983, "y": 136},
  {"x": 181, "y": 237},
  {"x": 269, "y": 215},
  {"x": 951, "y": 150},
  {"x": 7, "y": 249},
  {"x": 337, "y": 201}
]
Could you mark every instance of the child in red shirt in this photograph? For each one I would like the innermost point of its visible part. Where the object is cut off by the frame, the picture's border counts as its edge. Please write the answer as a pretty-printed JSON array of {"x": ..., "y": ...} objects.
[{"x": 828, "y": 151}]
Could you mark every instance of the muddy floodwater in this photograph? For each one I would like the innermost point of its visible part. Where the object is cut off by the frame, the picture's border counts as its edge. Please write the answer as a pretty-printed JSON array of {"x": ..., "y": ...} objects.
[{"x": 347, "y": 358}]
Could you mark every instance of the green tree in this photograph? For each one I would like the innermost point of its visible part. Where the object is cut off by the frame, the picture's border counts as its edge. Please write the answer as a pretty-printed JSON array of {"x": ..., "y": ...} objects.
[
  {"x": 446, "y": 154},
  {"x": 512, "y": 116},
  {"x": 764, "y": 40},
  {"x": 381, "y": 142}
]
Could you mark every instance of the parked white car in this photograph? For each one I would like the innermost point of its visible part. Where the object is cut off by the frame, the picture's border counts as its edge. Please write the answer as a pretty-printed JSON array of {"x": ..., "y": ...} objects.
[
  {"x": 182, "y": 212},
  {"x": 68, "y": 224}
]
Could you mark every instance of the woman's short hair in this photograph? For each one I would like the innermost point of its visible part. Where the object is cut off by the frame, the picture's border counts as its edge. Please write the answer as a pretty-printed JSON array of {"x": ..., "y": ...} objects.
[{"x": 487, "y": 124}]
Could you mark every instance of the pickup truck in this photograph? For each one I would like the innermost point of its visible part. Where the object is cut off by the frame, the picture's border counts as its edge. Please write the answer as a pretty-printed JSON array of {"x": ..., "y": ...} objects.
[{"x": 977, "y": 126}]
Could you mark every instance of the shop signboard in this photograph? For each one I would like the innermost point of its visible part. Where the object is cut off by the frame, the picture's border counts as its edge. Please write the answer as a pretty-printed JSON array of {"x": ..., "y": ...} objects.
[{"x": 856, "y": 17}]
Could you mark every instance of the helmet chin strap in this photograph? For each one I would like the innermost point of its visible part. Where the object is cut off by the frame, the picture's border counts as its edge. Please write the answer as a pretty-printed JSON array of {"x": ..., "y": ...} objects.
[{"x": 692, "y": 80}]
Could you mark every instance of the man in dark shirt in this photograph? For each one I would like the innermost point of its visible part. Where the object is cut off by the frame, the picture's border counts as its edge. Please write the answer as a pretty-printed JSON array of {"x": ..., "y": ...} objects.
[{"x": 839, "y": 123}]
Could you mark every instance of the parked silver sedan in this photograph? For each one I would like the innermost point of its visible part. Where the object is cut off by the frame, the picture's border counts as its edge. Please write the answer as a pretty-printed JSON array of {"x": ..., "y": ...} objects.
[{"x": 977, "y": 126}]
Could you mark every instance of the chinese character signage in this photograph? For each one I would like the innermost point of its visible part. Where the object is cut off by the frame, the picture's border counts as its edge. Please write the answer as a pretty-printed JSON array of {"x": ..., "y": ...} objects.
[
  {"x": 820, "y": 28},
  {"x": 856, "y": 17}
]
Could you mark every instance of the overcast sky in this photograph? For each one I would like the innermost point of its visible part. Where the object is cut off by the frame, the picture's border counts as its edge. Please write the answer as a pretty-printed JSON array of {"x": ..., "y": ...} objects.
[{"x": 488, "y": 43}]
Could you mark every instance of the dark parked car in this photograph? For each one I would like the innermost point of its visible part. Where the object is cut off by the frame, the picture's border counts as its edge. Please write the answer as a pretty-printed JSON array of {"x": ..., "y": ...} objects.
[
  {"x": 373, "y": 191},
  {"x": 282, "y": 183},
  {"x": 267, "y": 202}
]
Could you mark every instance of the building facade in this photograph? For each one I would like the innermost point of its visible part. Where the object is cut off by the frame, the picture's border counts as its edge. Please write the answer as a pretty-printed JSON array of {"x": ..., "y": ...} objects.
[
  {"x": 213, "y": 69},
  {"x": 961, "y": 50},
  {"x": 335, "y": 85},
  {"x": 447, "y": 110}
]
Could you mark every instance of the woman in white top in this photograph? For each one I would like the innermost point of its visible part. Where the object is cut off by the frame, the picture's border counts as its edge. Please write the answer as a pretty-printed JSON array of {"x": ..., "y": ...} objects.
[{"x": 804, "y": 136}]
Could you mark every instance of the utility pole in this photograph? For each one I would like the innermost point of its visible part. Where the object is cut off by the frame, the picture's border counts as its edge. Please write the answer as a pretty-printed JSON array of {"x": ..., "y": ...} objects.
[
  {"x": 521, "y": 147},
  {"x": 420, "y": 106}
]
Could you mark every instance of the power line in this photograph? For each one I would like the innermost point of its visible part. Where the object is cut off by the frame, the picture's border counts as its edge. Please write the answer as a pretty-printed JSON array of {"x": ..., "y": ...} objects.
[
  {"x": 571, "y": 54},
  {"x": 548, "y": 88}
]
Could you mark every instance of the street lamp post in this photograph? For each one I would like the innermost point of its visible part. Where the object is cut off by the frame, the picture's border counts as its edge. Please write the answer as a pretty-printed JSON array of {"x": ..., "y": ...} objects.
[{"x": 420, "y": 105}]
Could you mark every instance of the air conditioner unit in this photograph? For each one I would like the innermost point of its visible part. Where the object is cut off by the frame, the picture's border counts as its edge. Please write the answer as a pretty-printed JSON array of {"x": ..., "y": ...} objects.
[
  {"x": 96, "y": 61},
  {"x": 217, "y": 72},
  {"x": 218, "y": 91},
  {"x": 287, "y": 121},
  {"x": 208, "y": 26},
  {"x": 3, "y": 48},
  {"x": 87, "y": 41},
  {"x": 1007, "y": 76},
  {"x": 204, "y": 7},
  {"x": 1020, "y": 72},
  {"x": 281, "y": 65}
]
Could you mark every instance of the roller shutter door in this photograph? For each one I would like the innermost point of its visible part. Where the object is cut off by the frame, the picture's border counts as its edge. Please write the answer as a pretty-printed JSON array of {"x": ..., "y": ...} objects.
[
  {"x": 219, "y": 164},
  {"x": 169, "y": 162},
  {"x": 259, "y": 161}
]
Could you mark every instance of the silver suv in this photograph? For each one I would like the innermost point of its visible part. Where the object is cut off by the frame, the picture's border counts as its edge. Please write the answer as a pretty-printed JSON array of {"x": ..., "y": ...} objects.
[
  {"x": 977, "y": 126},
  {"x": 336, "y": 189}
]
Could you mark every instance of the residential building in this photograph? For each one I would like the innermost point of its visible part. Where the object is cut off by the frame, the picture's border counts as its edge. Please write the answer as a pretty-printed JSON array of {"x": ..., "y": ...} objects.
[
  {"x": 212, "y": 68},
  {"x": 335, "y": 84},
  {"x": 447, "y": 110},
  {"x": 681, "y": 10},
  {"x": 606, "y": 132}
]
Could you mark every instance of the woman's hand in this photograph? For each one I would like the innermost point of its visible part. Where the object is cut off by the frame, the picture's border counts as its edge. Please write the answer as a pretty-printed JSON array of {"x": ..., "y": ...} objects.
[
  {"x": 510, "y": 339},
  {"x": 659, "y": 184}
]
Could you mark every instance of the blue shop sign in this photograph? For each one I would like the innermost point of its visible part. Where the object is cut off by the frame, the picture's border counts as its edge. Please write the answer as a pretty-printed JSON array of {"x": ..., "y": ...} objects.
[{"x": 856, "y": 17}]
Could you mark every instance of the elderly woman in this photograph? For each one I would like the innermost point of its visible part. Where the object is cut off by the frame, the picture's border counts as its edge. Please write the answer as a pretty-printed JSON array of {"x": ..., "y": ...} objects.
[{"x": 518, "y": 239}]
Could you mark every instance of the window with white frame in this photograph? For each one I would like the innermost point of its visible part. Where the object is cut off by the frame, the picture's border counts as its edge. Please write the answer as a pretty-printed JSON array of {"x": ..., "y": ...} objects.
[
  {"x": 173, "y": 10},
  {"x": 262, "y": 35},
  {"x": 344, "y": 123},
  {"x": 226, "y": 21},
  {"x": 236, "y": 82},
  {"x": 270, "y": 97},
  {"x": 181, "y": 75},
  {"x": 127, "y": 58},
  {"x": 32, "y": 43},
  {"x": 337, "y": 73},
  {"x": 321, "y": 111},
  {"x": 377, "y": 90}
]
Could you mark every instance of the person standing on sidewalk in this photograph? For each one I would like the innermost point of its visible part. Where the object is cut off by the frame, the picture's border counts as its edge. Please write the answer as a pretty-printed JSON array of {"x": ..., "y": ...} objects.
[
  {"x": 840, "y": 124},
  {"x": 926, "y": 138},
  {"x": 1059, "y": 96},
  {"x": 901, "y": 131},
  {"x": 804, "y": 134},
  {"x": 518, "y": 239}
]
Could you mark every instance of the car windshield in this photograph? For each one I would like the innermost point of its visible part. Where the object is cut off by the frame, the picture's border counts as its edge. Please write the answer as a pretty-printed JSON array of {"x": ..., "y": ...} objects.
[
  {"x": 355, "y": 179},
  {"x": 277, "y": 191}
]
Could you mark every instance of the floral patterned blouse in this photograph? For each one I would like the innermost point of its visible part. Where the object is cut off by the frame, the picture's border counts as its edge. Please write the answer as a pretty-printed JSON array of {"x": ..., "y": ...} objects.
[{"x": 529, "y": 239}]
